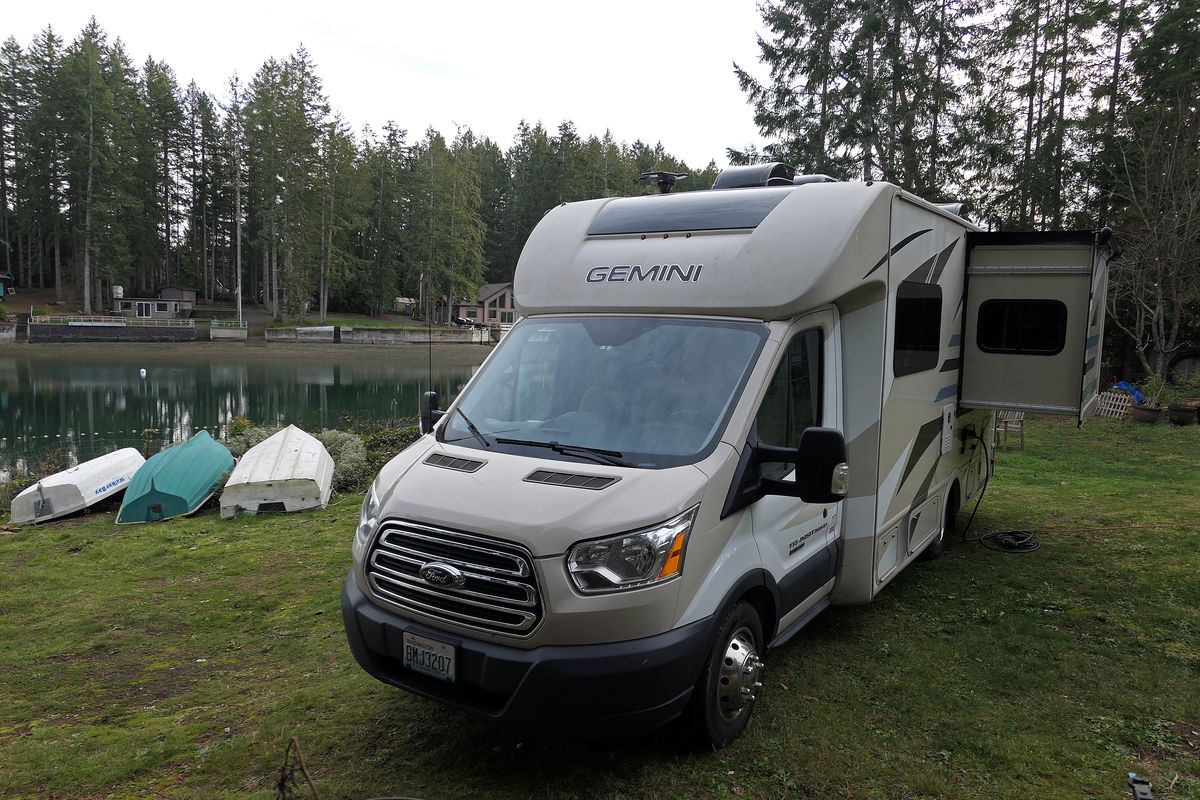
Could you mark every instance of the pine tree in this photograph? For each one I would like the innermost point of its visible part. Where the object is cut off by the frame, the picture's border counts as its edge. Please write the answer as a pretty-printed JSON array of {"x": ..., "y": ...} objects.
[
  {"x": 13, "y": 80},
  {"x": 41, "y": 172},
  {"x": 158, "y": 167}
]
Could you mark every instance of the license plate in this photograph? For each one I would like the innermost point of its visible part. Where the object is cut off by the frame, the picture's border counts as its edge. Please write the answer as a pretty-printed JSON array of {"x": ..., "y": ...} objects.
[{"x": 429, "y": 656}]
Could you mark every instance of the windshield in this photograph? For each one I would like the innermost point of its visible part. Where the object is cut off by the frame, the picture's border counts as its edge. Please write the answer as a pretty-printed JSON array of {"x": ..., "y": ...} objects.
[{"x": 647, "y": 391}]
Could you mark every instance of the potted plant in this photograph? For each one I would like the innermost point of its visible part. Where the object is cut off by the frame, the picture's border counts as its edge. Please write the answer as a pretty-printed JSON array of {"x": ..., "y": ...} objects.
[
  {"x": 1186, "y": 408},
  {"x": 1150, "y": 409}
]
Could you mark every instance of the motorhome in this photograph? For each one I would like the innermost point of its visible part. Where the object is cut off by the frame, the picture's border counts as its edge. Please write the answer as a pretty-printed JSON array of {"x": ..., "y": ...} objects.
[{"x": 720, "y": 413}]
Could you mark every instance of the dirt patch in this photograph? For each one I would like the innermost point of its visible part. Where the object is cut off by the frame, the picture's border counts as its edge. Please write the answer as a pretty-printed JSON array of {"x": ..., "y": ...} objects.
[
  {"x": 1176, "y": 741},
  {"x": 121, "y": 680}
]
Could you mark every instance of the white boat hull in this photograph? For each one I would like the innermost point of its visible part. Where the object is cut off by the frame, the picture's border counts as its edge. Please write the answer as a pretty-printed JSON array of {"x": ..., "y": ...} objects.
[
  {"x": 290, "y": 471},
  {"x": 77, "y": 488}
]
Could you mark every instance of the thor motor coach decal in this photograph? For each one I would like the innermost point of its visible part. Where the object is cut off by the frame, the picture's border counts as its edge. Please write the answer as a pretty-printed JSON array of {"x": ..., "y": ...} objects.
[
  {"x": 114, "y": 482},
  {"x": 631, "y": 273}
]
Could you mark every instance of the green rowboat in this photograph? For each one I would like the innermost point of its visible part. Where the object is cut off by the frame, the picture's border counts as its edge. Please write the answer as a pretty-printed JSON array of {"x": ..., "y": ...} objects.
[{"x": 177, "y": 481}]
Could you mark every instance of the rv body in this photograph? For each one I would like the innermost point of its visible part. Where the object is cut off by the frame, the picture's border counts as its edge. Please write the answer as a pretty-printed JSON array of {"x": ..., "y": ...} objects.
[{"x": 720, "y": 413}]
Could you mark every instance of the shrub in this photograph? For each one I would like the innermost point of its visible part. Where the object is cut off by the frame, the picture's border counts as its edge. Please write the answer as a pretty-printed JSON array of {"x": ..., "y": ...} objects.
[
  {"x": 351, "y": 467},
  {"x": 238, "y": 426},
  {"x": 238, "y": 445},
  {"x": 387, "y": 443},
  {"x": 1189, "y": 388}
]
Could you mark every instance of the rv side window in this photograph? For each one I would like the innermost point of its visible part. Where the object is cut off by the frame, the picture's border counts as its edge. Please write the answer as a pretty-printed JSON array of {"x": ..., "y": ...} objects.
[
  {"x": 918, "y": 327},
  {"x": 1025, "y": 327},
  {"x": 793, "y": 399}
]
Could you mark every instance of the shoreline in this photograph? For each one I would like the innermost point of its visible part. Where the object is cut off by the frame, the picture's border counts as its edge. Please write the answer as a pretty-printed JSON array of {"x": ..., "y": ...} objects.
[{"x": 210, "y": 350}]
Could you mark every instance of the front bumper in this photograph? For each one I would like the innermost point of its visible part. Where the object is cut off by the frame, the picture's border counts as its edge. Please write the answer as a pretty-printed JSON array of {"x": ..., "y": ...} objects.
[{"x": 621, "y": 688}]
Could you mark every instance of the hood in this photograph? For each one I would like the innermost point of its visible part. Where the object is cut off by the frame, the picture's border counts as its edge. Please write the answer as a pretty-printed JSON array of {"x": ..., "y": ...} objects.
[{"x": 497, "y": 500}]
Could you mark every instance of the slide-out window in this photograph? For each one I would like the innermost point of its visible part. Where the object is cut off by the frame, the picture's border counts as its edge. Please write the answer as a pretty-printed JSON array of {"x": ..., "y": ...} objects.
[
  {"x": 1022, "y": 326},
  {"x": 918, "y": 328}
]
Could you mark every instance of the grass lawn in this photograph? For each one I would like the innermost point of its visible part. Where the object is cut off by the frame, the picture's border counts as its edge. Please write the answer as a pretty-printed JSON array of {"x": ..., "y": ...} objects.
[{"x": 177, "y": 660}]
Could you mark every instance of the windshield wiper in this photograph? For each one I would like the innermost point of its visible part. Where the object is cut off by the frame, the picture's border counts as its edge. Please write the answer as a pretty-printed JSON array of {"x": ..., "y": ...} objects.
[
  {"x": 595, "y": 453},
  {"x": 471, "y": 427}
]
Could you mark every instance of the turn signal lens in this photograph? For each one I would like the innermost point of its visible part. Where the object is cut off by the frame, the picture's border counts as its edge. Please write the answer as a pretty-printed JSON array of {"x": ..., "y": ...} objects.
[{"x": 675, "y": 557}]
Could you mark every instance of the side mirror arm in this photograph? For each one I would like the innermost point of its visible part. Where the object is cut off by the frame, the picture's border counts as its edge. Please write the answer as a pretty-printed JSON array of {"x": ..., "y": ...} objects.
[
  {"x": 429, "y": 411},
  {"x": 821, "y": 473}
]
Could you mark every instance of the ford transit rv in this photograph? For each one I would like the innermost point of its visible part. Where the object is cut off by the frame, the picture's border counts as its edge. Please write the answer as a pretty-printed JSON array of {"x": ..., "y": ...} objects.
[{"x": 719, "y": 413}]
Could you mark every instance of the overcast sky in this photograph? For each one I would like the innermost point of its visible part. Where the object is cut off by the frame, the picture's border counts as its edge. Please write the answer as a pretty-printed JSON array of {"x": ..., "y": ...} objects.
[{"x": 658, "y": 70}]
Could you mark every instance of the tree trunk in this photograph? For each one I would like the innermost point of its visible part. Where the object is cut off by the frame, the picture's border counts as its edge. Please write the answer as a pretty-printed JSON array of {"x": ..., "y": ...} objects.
[
  {"x": 87, "y": 214},
  {"x": 869, "y": 98},
  {"x": 940, "y": 58},
  {"x": 1026, "y": 165},
  {"x": 58, "y": 279},
  {"x": 1062, "y": 122},
  {"x": 1106, "y": 187},
  {"x": 275, "y": 278},
  {"x": 237, "y": 236}
]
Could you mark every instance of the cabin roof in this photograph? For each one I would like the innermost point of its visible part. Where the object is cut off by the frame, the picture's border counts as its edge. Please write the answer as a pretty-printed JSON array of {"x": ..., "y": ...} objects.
[{"x": 762, "y": 253}]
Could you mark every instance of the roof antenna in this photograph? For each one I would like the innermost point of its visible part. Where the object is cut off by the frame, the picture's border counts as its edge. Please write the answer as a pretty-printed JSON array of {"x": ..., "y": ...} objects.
[{"x": 665, "y": 180}]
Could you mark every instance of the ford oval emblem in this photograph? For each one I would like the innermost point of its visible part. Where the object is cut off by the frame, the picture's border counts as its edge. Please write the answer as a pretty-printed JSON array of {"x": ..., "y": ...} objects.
[{"x": 444, "y": 576}]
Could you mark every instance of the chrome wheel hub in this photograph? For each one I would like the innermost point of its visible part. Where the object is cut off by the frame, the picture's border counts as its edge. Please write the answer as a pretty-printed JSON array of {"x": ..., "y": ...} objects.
[{"x": 741, "y": 668}]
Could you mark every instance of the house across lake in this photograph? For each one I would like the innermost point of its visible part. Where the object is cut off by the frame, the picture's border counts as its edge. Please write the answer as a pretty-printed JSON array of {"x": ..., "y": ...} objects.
[{"x": 168, "y": 302}]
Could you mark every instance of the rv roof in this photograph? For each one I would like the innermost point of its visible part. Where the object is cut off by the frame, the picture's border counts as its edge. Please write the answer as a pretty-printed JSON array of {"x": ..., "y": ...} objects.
[
  {"x": 725, "y": 209},
  {"x": 765, "y": 253}
]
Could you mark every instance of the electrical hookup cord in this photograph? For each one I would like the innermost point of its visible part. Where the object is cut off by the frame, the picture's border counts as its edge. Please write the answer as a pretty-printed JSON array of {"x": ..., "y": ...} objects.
[{"x": 1000, "y": 541}]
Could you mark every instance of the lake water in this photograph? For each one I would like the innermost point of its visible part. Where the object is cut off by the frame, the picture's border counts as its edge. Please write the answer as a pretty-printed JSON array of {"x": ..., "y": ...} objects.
[{"x": 74, "y": 407}]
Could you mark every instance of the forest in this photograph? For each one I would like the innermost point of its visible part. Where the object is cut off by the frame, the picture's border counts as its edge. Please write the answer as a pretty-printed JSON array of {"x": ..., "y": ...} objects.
[
  {"x": 114, "y": 174},
  {"x": 1040, "y": 114}
]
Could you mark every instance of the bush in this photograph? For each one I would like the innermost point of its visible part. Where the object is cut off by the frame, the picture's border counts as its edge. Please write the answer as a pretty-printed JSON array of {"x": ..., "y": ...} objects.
[
  {"x": 1189, "y": 388},
  {"x": 351, "y": 467},
  {"x": 238, "y": 445},
  {"x": 238, "y": 426},
  {"x": 385, "y": 444}
]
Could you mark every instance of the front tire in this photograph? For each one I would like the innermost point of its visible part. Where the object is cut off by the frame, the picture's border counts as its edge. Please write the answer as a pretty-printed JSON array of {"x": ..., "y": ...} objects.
[{"x": 727, "y": 690}]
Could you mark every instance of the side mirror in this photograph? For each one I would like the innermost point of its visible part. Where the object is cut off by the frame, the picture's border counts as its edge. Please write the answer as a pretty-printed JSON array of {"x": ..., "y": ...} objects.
[
  {"x": 429, "y": 407},
  {"x": 821, "y": 476}
]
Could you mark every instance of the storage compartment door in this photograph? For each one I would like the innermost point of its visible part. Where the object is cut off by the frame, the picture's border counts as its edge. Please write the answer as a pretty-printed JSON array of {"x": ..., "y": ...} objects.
[{"x": 1033, "y": 322}]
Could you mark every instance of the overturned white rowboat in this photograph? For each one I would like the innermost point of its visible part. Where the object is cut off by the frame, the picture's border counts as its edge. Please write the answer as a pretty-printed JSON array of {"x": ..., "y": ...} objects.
[
  {"x": 290, "y": 471},
  {"x": 77, "y": 488}
]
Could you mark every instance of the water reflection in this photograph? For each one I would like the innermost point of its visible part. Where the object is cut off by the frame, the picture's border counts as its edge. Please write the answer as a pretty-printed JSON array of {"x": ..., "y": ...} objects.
[{"x": 79, "y": 408}]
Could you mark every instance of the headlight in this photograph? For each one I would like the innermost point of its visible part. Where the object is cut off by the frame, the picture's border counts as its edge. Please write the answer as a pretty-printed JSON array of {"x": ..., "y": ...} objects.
[
  {"x": 368, "y": 521},
  {"x": 632, "y": 559}
]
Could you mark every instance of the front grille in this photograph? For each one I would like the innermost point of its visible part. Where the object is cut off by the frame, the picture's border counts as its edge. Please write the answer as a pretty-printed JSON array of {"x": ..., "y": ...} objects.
[{"x": 500, "y": 593}]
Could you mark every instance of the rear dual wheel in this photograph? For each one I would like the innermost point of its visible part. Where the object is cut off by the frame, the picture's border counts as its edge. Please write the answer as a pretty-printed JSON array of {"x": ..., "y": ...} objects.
[{"x": 727, "y": 690}]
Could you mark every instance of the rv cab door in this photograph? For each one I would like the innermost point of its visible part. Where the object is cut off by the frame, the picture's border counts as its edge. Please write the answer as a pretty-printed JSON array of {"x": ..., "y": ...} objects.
[{"x": 1033, "y": 322}]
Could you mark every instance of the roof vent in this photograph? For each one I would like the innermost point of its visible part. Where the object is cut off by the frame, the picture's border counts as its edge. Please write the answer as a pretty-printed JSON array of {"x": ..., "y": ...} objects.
[
  {"x": 571, "y": 479},
  {"x": 453, "y": 462},
  {"x": 957, "y": 209},
  {"x": 800, "y": 180},
  {"x": 773, "y": 174}
]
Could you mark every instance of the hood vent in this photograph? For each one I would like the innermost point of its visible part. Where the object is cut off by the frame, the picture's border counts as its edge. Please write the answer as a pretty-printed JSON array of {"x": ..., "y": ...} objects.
[
  {"x": 574, "y": 480},
  {"x": 453, "y": 462}
]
